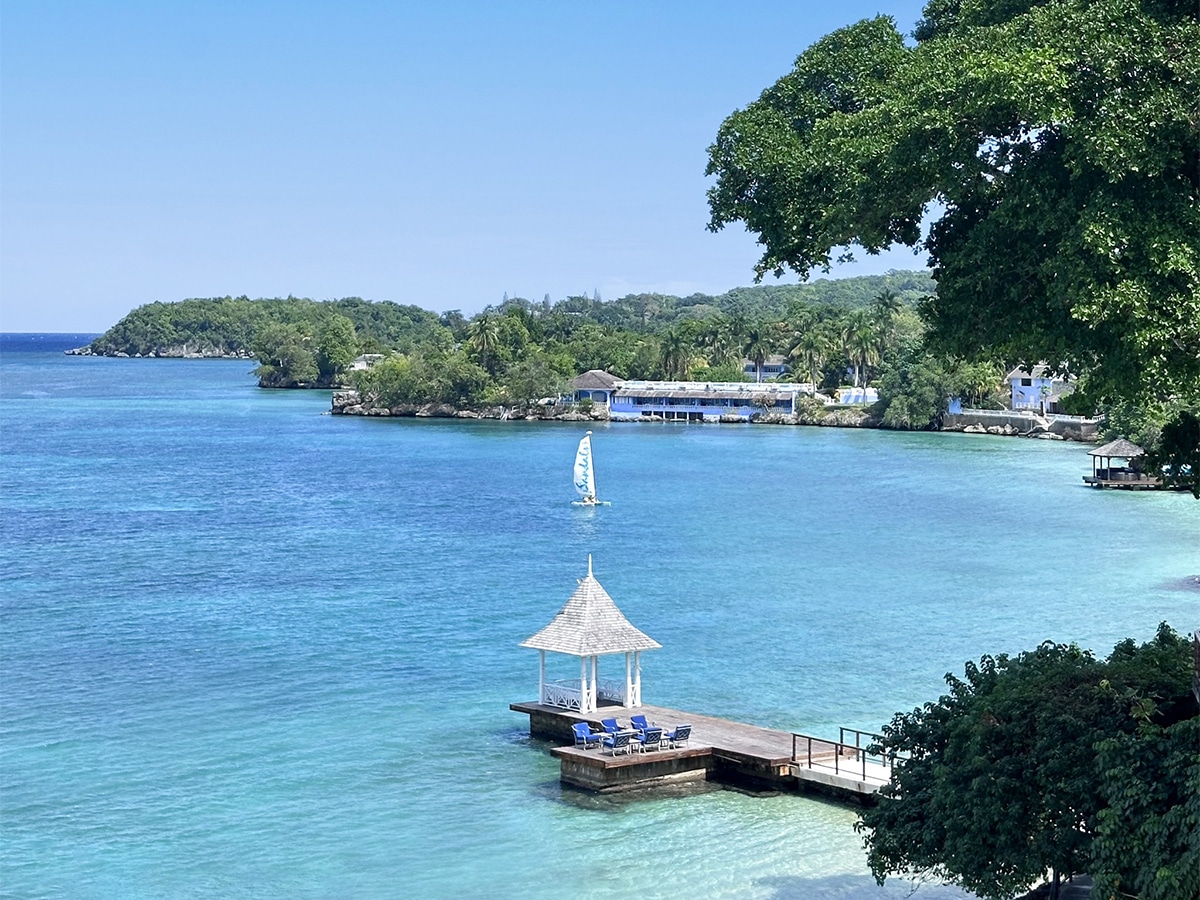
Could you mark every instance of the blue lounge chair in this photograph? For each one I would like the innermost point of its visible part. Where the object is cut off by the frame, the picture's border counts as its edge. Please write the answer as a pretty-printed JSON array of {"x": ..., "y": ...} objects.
[
  {"x": 678, "y": 737},
  {"x": 650, "y": 739},
  {"x": 585, "y": 738},
  {"x": 610, "y": 725},
  {"x": 639, "y": 722},
  {"x": 621, "y": 742}
]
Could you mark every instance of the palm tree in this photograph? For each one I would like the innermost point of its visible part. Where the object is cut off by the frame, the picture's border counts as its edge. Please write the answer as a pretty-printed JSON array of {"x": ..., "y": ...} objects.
[
  {"x": 861, "y": 342},
  {"x": 756, "y": 348},
  {"x": 884, "y": 309},
  {"x": 483, "y": 338},
  {"x": 812, "y": 347},
  {"x": 675, "y": 356},
  {"x": 886, "y": 304},
  {"x": 717, "y": 337}
]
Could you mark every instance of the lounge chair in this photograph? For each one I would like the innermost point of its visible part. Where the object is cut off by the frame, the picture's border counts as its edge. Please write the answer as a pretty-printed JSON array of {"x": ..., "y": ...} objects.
[
  {"x": 678, "y": 737},
  {"x": 650, "y": 739},
  {"x": 610, "y": 725},
  {"x": 621, "y": 742},
  {"x": 585, "y": 738},
  {"x": 638, "y": 722}
]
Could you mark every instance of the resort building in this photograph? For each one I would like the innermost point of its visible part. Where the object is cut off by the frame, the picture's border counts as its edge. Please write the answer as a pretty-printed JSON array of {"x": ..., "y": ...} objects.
[
  {"x": 773, "y": 366},
  {"x": 595, "y": 385},
  {"x": 698, "y": 401},
  {"x": 1039, "y": 390},
  {"x": 857, "y": 395},
  {"x": 686, "y": 401}
]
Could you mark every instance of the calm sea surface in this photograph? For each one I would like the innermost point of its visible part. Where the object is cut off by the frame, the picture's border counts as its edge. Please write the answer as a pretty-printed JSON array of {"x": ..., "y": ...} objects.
[{"x": 253, "y": 650}]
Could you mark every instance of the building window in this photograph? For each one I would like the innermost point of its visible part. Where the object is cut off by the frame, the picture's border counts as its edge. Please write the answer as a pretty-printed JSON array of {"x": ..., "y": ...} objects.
[{"x": 1026, "y": 382}]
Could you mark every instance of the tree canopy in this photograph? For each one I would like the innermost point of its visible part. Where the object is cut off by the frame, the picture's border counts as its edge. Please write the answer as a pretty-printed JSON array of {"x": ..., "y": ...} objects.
[
  {"x": 520, "y": 351},
  {"x": 1055, "y": 144},
  {"x": 1000, "y": 780}
]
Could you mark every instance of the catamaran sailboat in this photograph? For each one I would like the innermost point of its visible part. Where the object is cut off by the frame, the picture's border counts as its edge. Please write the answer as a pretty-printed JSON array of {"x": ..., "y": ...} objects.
[{"x": 585, "y": 475}]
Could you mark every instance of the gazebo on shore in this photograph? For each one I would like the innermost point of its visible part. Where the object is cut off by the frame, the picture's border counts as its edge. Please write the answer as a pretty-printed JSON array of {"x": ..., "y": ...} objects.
[
  {"x": 590, "y": 626},
  {"x": 1105, "y": 474}
]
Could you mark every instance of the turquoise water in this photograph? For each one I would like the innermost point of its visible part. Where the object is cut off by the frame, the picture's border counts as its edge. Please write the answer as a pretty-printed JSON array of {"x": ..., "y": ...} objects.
[{"x": 253, "y": 650}]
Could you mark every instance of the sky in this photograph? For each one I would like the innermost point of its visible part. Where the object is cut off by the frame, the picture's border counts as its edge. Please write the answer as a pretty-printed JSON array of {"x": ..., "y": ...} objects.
[{"x": 442, "y": 154}]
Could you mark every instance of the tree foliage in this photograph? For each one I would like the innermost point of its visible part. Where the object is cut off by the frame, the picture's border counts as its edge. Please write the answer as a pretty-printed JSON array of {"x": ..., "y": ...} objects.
[
  {"x": 1056, "y": 143},
  {"x": 1148, "y": 833},
  {"x": 999, "y": 781}
]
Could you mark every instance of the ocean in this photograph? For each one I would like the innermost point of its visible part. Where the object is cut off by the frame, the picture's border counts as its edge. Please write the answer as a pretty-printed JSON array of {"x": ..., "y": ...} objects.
[{"x": 250, "y": 649}]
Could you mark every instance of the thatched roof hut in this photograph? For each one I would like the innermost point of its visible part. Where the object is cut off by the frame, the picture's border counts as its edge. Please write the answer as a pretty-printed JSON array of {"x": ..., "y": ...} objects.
[
  {"x": 1128, "y": 475},
  {"x": 1118, "y": 449}
]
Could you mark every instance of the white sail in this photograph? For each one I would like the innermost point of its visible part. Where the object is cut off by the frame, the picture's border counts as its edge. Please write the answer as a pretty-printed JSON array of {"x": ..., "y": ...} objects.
[{"x": 585, "y": 475}]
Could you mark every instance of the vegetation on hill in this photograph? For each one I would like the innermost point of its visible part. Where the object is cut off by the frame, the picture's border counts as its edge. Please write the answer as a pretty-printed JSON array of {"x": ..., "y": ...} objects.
[
  {"x": 865, "y": 329},
  {"x": 1049, "y": 760}
]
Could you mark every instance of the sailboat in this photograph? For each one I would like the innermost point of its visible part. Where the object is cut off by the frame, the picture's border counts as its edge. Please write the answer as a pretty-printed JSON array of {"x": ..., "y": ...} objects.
[{"x": 585, "y": 475}]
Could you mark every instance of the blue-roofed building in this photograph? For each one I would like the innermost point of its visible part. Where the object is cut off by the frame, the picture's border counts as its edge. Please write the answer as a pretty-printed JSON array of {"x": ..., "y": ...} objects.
[{"x": 697, "y": 401}]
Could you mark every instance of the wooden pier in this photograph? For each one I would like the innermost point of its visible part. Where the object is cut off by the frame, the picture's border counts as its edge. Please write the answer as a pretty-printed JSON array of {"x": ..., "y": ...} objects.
[{"x": 718, "y": 750}]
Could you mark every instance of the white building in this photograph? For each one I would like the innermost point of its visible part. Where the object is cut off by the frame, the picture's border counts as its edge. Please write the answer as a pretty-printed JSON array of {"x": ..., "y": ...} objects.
[{"x": 1039, "y": 390}]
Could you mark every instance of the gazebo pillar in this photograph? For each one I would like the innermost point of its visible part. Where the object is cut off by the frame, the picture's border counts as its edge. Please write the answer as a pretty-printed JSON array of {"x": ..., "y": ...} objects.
[
  {"x": 637, "y": 678},
  {"x": 595, "y": 682},
  {"x": 584, "y": 696},
  {"x": 541, "y": 676},
  {"x": 628, "y": 680}
]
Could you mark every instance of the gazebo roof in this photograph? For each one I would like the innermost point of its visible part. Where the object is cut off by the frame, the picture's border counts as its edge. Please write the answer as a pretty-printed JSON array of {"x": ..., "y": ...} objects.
[
  {"x": 595, "y": 379},
  {"x": 590, "y": 625},
  {"x": 1119, "y": 448}
]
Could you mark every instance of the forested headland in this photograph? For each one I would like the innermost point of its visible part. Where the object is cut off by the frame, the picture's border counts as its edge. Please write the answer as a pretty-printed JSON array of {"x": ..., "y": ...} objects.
[
  {"x": 864, "y": 330},
  {"x": 869, "y": 330}
]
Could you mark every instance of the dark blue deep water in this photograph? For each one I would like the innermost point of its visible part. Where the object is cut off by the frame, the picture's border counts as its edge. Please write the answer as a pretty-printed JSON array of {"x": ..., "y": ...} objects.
[{"x": 252, "y": 650}]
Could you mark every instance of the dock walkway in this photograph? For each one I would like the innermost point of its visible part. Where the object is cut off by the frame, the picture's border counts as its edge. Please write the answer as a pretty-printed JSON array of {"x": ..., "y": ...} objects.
[{"x": 719, "y": 749}]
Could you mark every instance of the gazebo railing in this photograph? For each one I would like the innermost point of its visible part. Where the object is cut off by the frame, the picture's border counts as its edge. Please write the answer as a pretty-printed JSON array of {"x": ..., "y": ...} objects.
[
  {"x": 563, "y": 694},
  {"x": 611, "y": 690}
]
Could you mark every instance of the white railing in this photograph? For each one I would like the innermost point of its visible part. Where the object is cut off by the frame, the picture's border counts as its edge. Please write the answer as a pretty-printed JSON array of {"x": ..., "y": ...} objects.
[
  {"x": 562, "y": 694},
  {"x": 1025, "y": 412},
  {"x": 613, "y": 691}
]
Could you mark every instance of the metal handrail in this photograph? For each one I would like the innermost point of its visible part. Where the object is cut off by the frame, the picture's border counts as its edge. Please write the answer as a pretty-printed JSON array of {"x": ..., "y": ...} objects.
[{"x": 843, "y": 748}]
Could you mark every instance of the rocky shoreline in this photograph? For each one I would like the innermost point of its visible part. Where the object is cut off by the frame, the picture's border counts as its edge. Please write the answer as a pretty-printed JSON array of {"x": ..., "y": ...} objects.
[
  {"x": 350, "y": 403},
  {"x": 181, "y": 351}
]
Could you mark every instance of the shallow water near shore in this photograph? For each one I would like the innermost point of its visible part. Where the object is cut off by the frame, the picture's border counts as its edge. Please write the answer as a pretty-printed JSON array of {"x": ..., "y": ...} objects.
[{"x": 254, "y": 650}]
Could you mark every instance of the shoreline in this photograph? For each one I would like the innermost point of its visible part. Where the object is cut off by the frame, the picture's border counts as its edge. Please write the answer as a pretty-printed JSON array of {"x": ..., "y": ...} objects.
[
  {"x": 350, "y": 403},
  {"x": 179, "y": 351}
]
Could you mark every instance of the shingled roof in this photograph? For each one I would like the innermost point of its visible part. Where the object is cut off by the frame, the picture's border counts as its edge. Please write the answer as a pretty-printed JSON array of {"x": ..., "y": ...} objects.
[
  {"x": 590, "y": 625},
  {"x": 1119, "y": 448},
  {"x": 595, "y": 380}
]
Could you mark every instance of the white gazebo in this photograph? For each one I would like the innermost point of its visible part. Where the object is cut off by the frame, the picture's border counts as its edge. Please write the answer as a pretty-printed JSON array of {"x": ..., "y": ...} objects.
[{"x": 590, "y": 626}]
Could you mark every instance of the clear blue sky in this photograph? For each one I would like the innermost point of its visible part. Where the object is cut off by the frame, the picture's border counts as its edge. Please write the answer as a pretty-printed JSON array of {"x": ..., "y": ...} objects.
[{"x": 440, "y": 153}]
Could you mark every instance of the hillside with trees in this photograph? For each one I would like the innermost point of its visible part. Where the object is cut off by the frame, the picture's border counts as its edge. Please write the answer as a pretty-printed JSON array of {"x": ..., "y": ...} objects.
[{"x": 519, "y": 351}]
